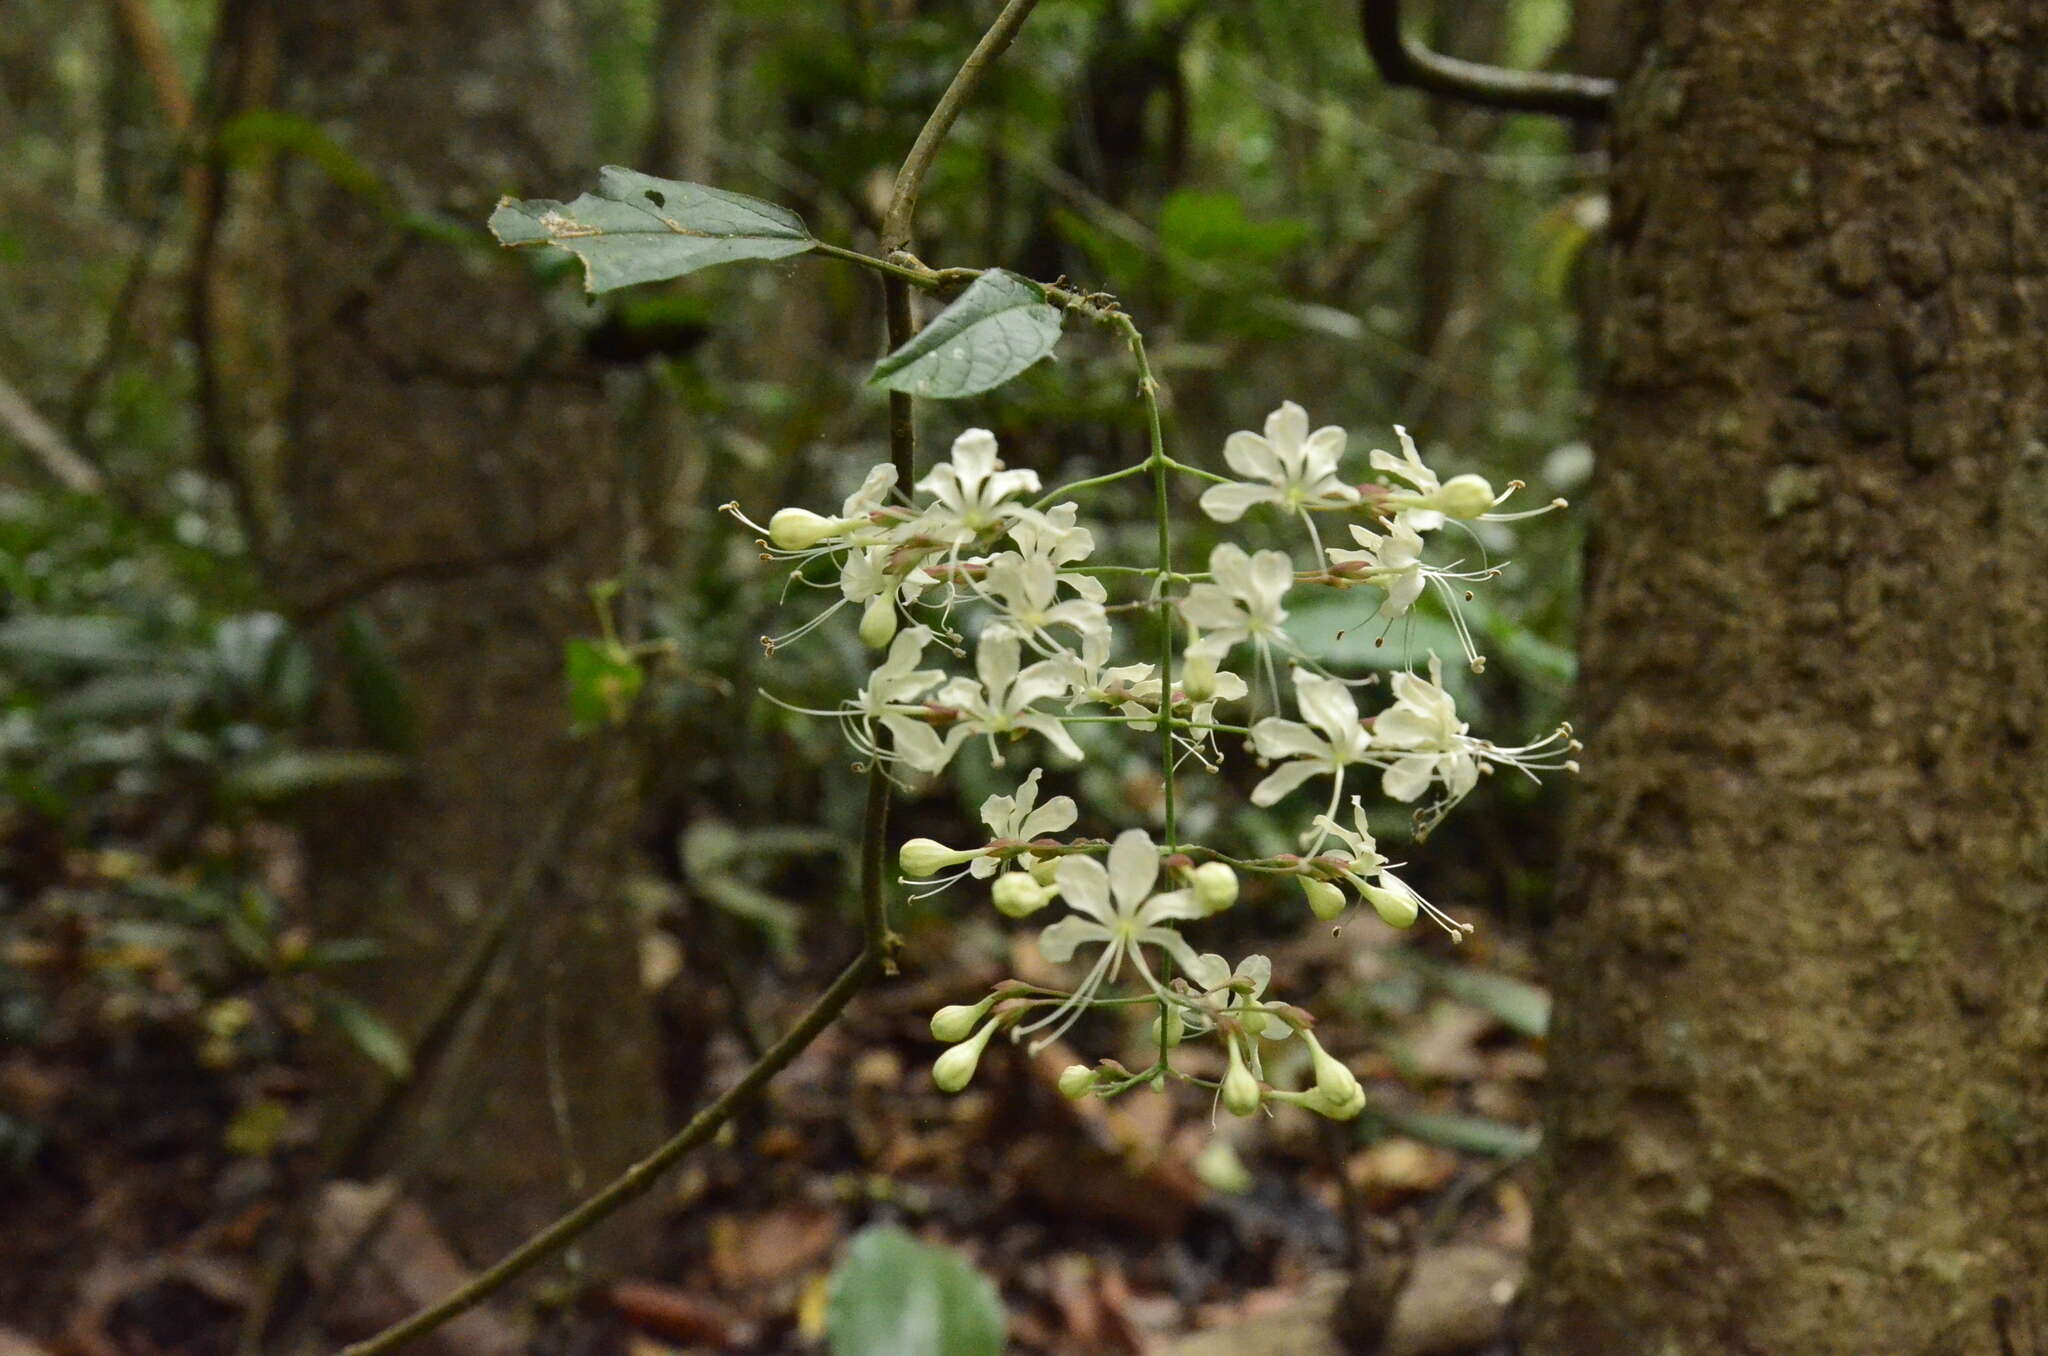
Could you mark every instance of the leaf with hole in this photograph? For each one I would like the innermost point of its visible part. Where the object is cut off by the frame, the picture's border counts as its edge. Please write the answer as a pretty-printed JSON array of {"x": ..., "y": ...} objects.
[
  {"x": 995, "y": 329},
  {"x": 637, "y": 228}
]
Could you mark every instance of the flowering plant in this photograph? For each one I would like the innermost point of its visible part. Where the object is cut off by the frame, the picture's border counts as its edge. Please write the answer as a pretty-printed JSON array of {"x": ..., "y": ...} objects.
[{"x": 978, "y": 559}]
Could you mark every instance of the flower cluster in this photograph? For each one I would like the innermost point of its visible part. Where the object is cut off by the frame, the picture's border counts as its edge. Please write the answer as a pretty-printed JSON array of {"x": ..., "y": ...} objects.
[{"x": 976, "y": 558}]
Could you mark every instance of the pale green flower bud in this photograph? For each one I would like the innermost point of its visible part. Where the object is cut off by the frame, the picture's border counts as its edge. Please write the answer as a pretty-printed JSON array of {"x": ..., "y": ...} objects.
[
  {"x": 1325, "y": 899},
  {"x": 1198, "y": 675},
  {"x": 1176, "y": 1027},
  {"x": 1215, "y": 886},
  {"x": 923, "y": 857},
  {"x": 1076, "y": 1082},
  {"x": 878, "y": 622},
  {"x": 1221, "y": 1169},
  {"x": 1465, "y": 496},
  {"x": 953, "y": 1070},
  {"x": 956, "y": 1023},
  {"x": 1343, "y": 1110},
  {"x": 1335, "y": 1083},
  {"x": 1017, "y": 895},
  {"x": 795, "y": 529},
  {"x": 1396, "y": 908},
  {"x": 1240, "y": 1089}
]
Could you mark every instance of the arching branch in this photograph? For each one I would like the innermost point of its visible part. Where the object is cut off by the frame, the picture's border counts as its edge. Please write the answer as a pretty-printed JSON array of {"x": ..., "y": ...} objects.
[{"x": 1403, "y": 61}]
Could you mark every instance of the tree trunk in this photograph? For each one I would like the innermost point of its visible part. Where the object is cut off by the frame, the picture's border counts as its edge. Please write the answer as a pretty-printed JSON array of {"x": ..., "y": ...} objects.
[
  {"x": 452, "y": 486},
  {"x": 1800, "y": 1065}
]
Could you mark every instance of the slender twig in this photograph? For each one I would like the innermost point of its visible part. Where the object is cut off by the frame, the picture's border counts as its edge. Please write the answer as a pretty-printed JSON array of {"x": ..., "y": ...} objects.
[
  {"x": 910, "y": 178},
  {"x": 1148, "y": 391},
  {"x": 636, "y": 1180},
  {"x": 69, "y": 469},
  {"x": 1403, "y": 61},
  {"x": 146, "y": 37}
]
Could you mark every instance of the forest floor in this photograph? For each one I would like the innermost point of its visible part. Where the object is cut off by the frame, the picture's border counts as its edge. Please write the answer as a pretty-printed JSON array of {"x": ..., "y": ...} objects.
[{"x": 147, "y": 1157}]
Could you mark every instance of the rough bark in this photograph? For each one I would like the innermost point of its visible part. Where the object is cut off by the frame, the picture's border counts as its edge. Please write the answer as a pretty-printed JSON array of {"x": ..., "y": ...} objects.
[
  {"x": 451, "y": 481},
  {"x": 1800, "y": 1066}
]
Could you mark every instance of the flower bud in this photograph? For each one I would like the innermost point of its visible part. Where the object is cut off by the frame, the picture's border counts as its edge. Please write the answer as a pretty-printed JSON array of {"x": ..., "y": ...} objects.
[
  {"x": 795, "y": 529},
  {"x": 1076, "y": 1082},
  {"x": 1198, "y": 674},
  {"x": 1240, "y": 1089},
  {"x": 1340, "y": 1110},
  {"x": 953, "y": 1070},
  {"x": 1017, "y": 895},
  {"x": 1176, "y": 1027},
  {"x": 1465, "y": 496},
  {"x": 1396, "y": 908},
  {"x": 1325, "y": 899},
  {"x": 1335, "y": 1083},
  {"x": 1215, "y": 886},
  {"x": 923, "y": 857},
  {"x": 878, "y": 622},
  {"x": 956, "y": 1023}
]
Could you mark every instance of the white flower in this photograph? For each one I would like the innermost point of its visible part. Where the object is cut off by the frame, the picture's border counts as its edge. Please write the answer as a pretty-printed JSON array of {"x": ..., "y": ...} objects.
[
  {"x": 1245, "y": 600},
  {"x": 1244, "y": 999},
  {"x": 1003, "y": 701},
  {"x": 1053, "y": 536},
  {"x": 1115, "y": 907},
  {"x": 1289, "y": 466},
  {"x": 1020, "y": 818},
  {"x": 896, "y": 682},
  {"x": 1420, "y": 742},
  {"x": 1423, "y": 729},
  {"x": 1466, "y": 497},
  {"x": 1331, "y": 740},
  {"x": 1026, "y": 588},
  {"x": 1416, "y": 508},
  {"x": 1393, "y": 561},
  {"x": 971, "y": 491}
]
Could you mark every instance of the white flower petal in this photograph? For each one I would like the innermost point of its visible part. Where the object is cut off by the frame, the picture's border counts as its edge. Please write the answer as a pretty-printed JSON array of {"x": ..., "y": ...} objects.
[
  {"x": 1328, "y": 706},
  {"x": 1409, "y": 777},
  {"x": 1252, "y": 457},
  {"x": 1285, "y": 778},
  {"x": 1058, "y": 942},
  {"x": 1286, "y": 429},
  {"x": 1084, "y": 884},
  {"x": 1055, "y": 816},
  {"x": 1133, "y": 867},
  {"x": 1228, "y": 503},
  {"x": 1275, "y": 737}
]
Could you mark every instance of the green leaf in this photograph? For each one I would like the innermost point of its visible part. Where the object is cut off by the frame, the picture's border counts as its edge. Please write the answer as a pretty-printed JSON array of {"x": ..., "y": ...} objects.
[
  {"x": 294, "y": 772},
  {"x": 995, "y": 329},
  {"x": 98, "y": 642},
  {"x": 891, "y": 1295},
  {"x": 368, "y": 1032},
  {"x": 1521, "y": 1006},
  {"x": 637, "y": 228},
  {"x": 128, "y": 696},
  {"x": 1471, "y": 1134},
  {"x": 603, "y": 682},
  {"x": 376, "y": 688}
]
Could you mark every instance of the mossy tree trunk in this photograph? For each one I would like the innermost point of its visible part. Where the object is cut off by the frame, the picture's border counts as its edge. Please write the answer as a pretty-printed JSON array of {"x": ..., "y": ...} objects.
[
  {"x": 451, "y": 485},
  {"x": 1799, "y": 1099}
]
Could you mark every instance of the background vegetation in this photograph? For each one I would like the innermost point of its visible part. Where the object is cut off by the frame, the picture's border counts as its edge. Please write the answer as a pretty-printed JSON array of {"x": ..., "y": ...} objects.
[{"x": 1283, "y": 225}]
